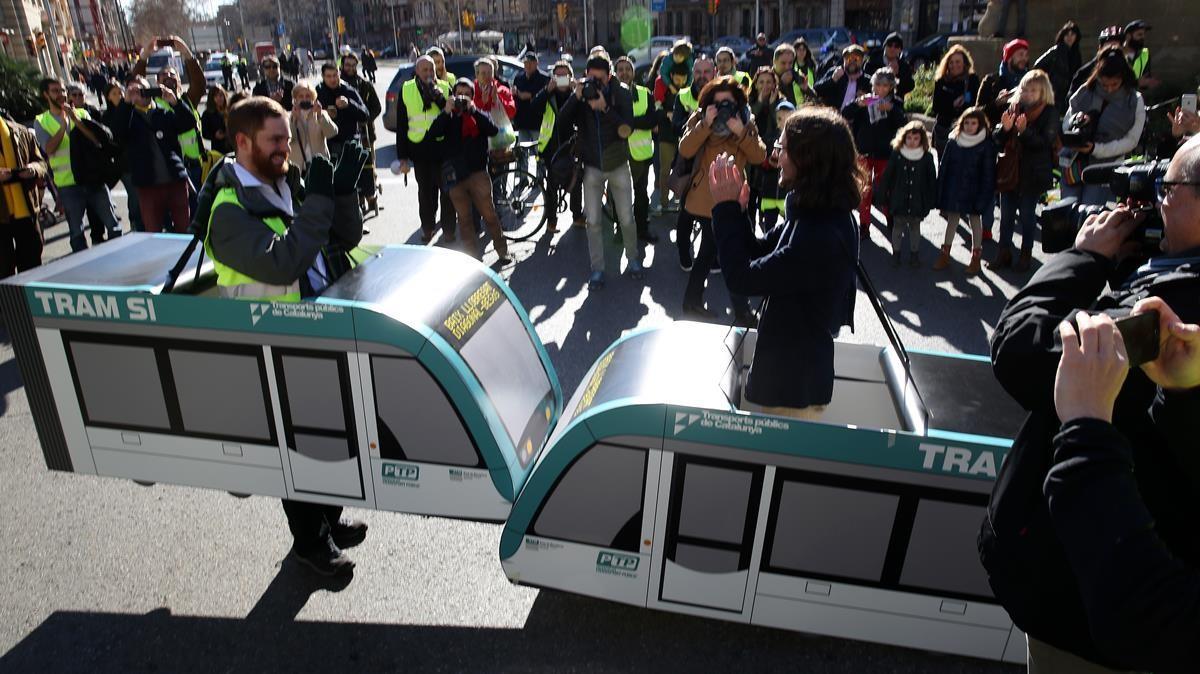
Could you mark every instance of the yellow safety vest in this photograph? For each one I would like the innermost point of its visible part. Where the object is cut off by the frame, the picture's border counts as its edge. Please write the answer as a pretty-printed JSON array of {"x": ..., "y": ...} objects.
[
  {"x": 232, "y": 283},
  {"x": 547, "y": 130},
  {"x": 641, "y": 141},
  {"x": 741, "y": 78},
  {"x": 688, "y": 100},
  {"x": 420, "y": 118},
  {"x": 60, "y": 161},
  {"x": 189, "y": 141},
  {"x": 1140, "y": 62},
  {"x": 771, "y": 204}
]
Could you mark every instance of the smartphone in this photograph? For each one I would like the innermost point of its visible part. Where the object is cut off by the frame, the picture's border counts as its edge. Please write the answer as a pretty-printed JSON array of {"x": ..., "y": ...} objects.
[
  {"x": 164, "y": 42},
  {"x": 1188, "y": 102},
  {"x": 1140, "y": 334},
  {"x": 306, "y": 105},
  {"x": 152, "y": 92}
]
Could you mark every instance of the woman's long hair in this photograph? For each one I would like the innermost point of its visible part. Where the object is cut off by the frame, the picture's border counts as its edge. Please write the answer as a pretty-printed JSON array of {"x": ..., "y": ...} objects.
[
  {"x": 810, "y": 61},
  {"x": 821, "y": 147},
  {"x": 762, "y": 70},
  {"x": 968, "y": 64},
  {"x": 213, "y": 91},
  {"x": 1112, "y": 63}
]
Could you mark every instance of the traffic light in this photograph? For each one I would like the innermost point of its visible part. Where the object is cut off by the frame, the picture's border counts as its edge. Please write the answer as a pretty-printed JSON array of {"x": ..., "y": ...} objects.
[
  {"x": 341, "y": 25},
  {"x": 562, "y": 11},
  {"x": 713, "y": 5}
]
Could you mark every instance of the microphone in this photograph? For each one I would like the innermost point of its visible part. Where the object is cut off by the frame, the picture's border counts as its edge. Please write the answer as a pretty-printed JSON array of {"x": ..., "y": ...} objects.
[{"x": 1101, "y": 174}]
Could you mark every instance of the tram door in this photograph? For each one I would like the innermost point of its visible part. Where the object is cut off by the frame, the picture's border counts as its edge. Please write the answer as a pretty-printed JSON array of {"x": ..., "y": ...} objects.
[
  {"x": 318, "y": 422},
  {"x": 712, "y": 510}
]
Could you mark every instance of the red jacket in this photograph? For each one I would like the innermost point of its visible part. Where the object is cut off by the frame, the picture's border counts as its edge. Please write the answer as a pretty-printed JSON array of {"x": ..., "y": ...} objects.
[{"x": 500, "y": 95}]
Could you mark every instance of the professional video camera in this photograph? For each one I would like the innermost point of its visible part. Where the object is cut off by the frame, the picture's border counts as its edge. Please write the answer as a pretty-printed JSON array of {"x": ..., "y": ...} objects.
[
  {"x": 592, "y": 88},
  {"x": 1131, "y": 182}
]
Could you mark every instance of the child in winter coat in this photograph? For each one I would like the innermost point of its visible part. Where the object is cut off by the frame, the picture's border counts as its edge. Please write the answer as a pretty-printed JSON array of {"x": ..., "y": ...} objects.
[
  {"x": 909, "y": 187},
  {"x": 874, "y": 119},
  {"x": 966, "y": 182},
  {"x": 766, "y": 175}
]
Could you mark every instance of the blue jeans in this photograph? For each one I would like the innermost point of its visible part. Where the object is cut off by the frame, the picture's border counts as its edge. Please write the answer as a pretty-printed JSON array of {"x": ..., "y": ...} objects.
[
  {"x": 96, "y": 203},
  {"x": 1016, "y": 207},
  {"x": 1088, "y": 195}
]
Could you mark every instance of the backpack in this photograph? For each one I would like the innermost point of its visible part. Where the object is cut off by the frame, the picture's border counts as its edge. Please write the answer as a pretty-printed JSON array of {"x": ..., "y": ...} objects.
[{"x": 95, "y": 164}]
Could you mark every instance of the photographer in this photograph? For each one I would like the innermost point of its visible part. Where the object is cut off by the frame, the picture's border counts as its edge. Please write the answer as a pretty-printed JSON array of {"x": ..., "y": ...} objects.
[
  {"x": 417, "y": 150},
  {"x": 150, "y": 127},
  {"x": 1103, "y": 123},
  {"x": 553, "y": 147},
  {"x": 464, "y": 167},
  {"x": 310, "y": 125},
  {"x": 1090, "y": 542},
  {"x": 603, "y": 110}
]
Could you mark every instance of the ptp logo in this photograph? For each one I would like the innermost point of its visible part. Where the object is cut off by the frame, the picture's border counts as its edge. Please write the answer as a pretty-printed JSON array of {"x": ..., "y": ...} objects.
[
  {"x": 399, "y": 472},
  {"x": 616, "y": 560}
]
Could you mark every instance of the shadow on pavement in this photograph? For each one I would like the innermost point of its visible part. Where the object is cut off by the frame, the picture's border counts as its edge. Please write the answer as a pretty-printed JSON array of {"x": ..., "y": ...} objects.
[{"x": 561, "y": 631}]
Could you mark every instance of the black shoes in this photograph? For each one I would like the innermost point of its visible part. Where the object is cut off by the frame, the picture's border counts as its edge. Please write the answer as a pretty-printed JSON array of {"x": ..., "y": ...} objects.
[
  {"x": 648, "y": 237},
  {"x": 326, "y": 559},
  {"x": 348, "y": 533},
  {"x": 697, "y": 311}
]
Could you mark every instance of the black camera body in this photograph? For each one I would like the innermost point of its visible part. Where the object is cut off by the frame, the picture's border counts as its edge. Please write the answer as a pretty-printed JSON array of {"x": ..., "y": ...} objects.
[
  {"x": 1131, "y": 182},
  {"x": 725, "y": 110},
  {"x": 1081, "y": 130},
  {"x": 461, "y": 103},
  {"x": 438, "y": 98},
  {"x": 592, "y": 88},
  {"x": 305, "y": 105}
]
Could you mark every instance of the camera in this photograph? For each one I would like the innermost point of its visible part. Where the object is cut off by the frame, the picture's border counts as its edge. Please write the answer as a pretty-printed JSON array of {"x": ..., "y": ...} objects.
[
  {"x": 152, "y": 92},
  {"x": 461, "y": 103},
  {"x": 725, "y": 110},
  {"x": 1131, "y": 182},
  {"x": 591, "y": 89},
  {"x": 438, "y": 98},
  {"x": 1081, "y": 130},
  {"x": 306, "y": 105}
]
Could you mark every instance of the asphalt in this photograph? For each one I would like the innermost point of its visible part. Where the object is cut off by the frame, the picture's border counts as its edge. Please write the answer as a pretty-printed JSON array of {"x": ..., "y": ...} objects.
[{"x": 107, "y": 576}]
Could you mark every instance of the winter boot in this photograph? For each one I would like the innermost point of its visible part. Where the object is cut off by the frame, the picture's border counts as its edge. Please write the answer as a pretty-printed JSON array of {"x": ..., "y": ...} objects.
[{"x": 943, "y": 260}]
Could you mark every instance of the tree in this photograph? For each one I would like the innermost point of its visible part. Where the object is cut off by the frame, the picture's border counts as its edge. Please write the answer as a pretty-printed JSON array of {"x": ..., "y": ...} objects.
[
  {"x": 159, "y": 17},
  {"x": 19, "y": 90}
]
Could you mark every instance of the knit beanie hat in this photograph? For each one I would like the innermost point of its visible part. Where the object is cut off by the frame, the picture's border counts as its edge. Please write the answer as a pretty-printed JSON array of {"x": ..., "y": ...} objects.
[{"x": 1013, "y": 46}]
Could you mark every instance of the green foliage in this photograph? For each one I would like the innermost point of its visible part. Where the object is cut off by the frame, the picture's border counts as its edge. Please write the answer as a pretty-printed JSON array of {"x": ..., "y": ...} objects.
[
  {"x": 920, "y": 99},
  {"x": 19, "y": 89}
]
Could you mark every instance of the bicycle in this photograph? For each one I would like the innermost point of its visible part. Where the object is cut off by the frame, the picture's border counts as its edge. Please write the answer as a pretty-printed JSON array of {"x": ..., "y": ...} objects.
[{"x": 518, "y": 195}]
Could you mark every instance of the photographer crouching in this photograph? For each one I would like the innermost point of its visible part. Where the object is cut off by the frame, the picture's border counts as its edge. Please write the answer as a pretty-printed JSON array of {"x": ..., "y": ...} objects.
[{"x": 1091, "y": 541}]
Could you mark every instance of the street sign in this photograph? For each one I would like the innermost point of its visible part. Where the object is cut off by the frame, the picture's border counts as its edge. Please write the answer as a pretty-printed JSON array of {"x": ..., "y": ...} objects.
[
  {"x": 658, "y": 5},
  {"x": 280, "y": 29}
]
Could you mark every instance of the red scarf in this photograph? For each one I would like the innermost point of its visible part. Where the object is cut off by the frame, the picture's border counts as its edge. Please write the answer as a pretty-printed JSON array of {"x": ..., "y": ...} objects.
[{"x": 469, "y": 128}]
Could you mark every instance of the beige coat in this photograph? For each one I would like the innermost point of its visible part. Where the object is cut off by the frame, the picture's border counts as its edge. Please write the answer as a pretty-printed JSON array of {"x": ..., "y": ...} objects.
[
  {"x": 698, "y": 142},
  {"x": 309, "y": 133}
]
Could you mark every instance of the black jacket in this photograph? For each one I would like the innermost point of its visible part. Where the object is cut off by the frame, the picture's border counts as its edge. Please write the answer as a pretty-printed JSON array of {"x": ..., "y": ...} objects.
[
  {"x": 600, "y": 145},
  {"x": 1060, "y": 62},
  {"x": 1037, "y": 156},
  {"x": 946, "y": 92},
  {"x": 155, "y": 130},
  {"x": 805, "y": 267},
  {"x": 466, "y": 155},
  {"x": 1090, "y": 544},
  {"x": 833, "y": 92},
  {"x": 284, "y": 85},
  {"x": 347, "y": 118},
  {"x": 909, "y": 188},
  {"x": 874, "y": 140},
  {"x": 529, "y": 114},
  {"x": 563, "y": 130},
  {"x": 211, "y": 122},
  {"x": 759, "y": 57}
]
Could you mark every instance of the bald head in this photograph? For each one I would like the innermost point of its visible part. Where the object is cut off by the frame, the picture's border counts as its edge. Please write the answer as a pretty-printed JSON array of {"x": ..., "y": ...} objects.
[
  {"x": 1188, "y": 157},
  {"x": 1180, "y": 205}
]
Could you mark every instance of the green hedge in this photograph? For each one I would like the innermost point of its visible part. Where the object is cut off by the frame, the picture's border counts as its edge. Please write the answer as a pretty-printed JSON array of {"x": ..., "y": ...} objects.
[
  {"x": 920, "y": 99},
  {"x": 19, "y": 90}
]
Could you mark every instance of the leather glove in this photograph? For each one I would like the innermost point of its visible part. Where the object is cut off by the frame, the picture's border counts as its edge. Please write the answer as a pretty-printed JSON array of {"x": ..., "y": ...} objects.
[
  {"x": 350, "y": 165},
  {"x": 320, "y": 177}
]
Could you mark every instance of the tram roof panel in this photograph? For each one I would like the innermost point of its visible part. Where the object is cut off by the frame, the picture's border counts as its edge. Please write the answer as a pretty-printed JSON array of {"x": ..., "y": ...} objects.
[{"x": 134, "y": 262}]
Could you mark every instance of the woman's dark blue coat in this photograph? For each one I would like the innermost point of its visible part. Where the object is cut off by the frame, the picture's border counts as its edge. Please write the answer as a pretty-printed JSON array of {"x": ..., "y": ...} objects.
[{"x": 967, "y": 178}]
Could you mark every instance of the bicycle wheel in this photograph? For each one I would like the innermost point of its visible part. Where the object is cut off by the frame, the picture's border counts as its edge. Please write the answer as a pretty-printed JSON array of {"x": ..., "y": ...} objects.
[{"x": 520, "y": 201}]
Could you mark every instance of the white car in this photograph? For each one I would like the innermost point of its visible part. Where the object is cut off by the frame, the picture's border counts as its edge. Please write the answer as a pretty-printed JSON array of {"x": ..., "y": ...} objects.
[
  {"x": 647, "y": 52},
  {"x": 212, "y": 69}
]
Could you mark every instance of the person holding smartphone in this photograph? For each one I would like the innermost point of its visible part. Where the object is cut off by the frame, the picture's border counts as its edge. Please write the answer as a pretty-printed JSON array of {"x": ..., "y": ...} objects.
[{"x": 311, "y": 127}]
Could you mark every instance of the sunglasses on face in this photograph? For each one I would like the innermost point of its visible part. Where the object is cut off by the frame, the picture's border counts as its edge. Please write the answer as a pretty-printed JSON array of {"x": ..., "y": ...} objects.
[{"x": 1164, "y": 188}]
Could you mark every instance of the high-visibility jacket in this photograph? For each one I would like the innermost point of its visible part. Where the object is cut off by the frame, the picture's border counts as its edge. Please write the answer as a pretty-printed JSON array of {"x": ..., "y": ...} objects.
[
  {"x": 641, "y": 141},
  {"x": 741, "y": 78},
  {"x": 688, "y": 100},
  {"x": 547, "y": 130},
  {"x": 236, "y": 285},
  {"x": 1140, "y": 62},
  {"x": 771, "y": 204},
  {"x": 420, "y": 118},
  {"x": 60, "y": 161},
  {"x": 189, "y": 141}
]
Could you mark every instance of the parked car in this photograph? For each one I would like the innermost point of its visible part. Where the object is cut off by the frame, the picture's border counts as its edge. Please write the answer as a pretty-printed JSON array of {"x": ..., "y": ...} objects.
[
  {"x": 647, "y": 52},
  {"x": 389, "y": 53},
  {"x": 320, "y": 53},
  {"x": 460, "y": 65},
  {"x": 212, "y": 69},
  {"x": 737, "y": 43},
  {"x": 929, "y": 50},
  {"x": 164, "y": 58}
]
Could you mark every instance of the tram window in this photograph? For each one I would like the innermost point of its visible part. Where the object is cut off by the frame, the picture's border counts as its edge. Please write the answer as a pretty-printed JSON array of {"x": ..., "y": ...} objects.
[
  {"x": 941, "y": 551},
  {"x": 220, "y": 394},
  {"x": 597, "y": 499},
  {"x": 714, "y": 503},
  {"x": 314, "y": 392},
  {"x": 706, "y": 559},
  {"x": 120, "y": 385},
  {"x": 832, "y": 531},
  {"x": 506, "y": 362},
  {"x": 409, "y": 403}
]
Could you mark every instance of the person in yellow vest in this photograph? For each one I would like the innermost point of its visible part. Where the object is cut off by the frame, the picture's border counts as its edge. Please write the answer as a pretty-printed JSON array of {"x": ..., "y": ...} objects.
[
  {"x": 552, "y": 136},
  {"x": 421, "y": 101},
  {"x": 22, "y": 171},
  {"x": 267, "y": 244},
  {"x": 641, "y": 147},
  {"x": 76, "y": 195},
  {"x": 1138, "y": 54},
  {"x": 439, "y": 66},
  {"x": 191, "y": 142},
  {"x": 727, "y": 65},
  {"x": 792, "y": 85}
]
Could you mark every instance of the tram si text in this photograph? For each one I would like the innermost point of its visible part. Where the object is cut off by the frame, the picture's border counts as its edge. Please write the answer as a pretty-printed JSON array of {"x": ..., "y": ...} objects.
[{"x": 96, "y": 306}]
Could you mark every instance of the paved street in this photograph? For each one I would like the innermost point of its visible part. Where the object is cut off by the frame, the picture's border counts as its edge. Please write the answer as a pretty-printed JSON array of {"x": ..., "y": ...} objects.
[{"x": 104, "y": 575}]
